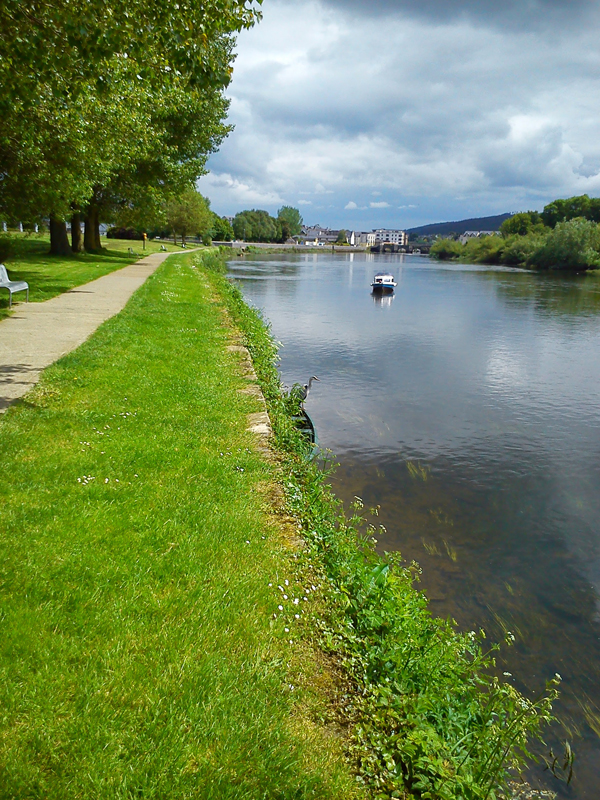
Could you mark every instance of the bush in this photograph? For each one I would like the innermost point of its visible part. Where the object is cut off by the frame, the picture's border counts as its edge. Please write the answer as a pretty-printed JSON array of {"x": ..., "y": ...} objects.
[
  {"x": 446, "y": 249},
  {"x": 573, "y": 245},
  {"x": 484, "y": 250},
  {"x": 123, "y": 233},
  {"x": 518, "y": 249}
]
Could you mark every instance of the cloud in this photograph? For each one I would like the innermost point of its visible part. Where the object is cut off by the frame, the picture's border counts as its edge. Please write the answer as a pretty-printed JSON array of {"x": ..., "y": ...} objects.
[
  {"x": 485, "y": 119},
  {"x": 381, "y": 204},
  {"x": 512, "y": 14},
  {"x": 305, "y": 202},
  {"x": 217, "y": 185}
]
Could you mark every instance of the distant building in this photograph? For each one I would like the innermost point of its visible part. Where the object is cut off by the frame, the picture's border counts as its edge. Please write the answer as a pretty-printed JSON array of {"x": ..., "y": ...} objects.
[
  {"x": 388, "y": 235},
  {"x": 358, "y": 238},
  {"x": 476, "y": 235},
  {"x": 317, "y": 236}
]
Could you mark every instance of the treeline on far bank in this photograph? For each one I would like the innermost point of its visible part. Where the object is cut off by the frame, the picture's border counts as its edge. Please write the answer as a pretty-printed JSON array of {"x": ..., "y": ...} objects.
[
  {"x": 564, "y": 236},
  {"x": 190, "y": 215}
]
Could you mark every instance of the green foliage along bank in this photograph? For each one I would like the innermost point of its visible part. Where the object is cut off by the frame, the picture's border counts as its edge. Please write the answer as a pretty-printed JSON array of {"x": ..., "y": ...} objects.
[
  {"x": 260, "y": 226},
  {"x": 428, "y": 716},
  {"x": 138, "y": 652},
  {"x": 564, "y": 236}
]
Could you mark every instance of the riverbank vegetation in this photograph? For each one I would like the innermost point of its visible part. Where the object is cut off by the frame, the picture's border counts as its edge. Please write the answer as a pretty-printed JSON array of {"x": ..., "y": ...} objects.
[
  {"x": 140, "y": 655},
  {"x": 427, "y": 714},
  {"x": 564, "y": 236},
  {"x": 167, "y": 631},
  {"x": 260, "y": 226}
]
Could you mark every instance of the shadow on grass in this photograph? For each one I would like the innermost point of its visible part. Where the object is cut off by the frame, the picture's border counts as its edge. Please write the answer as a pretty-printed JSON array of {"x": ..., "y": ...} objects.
[{"x": 49, "y": 276}]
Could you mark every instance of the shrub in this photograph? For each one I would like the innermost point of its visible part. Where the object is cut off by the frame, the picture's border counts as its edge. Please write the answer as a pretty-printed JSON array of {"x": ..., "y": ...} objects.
[
  {"x": 484, "y": 250},
  {"x": 573, "y": 245},
  {"x": 446, "y": 249},
  {"x": 123, "y": 233},
  {"x": 518, "y": 249}
]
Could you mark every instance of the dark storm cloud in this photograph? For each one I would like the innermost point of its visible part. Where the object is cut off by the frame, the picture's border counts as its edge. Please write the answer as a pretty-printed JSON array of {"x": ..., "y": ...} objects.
[{"x": 512, "y": 14}]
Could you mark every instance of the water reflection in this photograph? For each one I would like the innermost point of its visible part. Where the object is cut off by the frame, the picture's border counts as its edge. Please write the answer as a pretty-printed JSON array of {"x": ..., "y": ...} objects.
[
  {"x": 382, "y": 300},
  {"x": 470, "y": 411}
]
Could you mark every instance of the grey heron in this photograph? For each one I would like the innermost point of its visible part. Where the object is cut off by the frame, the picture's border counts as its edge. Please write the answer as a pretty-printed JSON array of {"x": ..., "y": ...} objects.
[{"x": 306, "y": 389}]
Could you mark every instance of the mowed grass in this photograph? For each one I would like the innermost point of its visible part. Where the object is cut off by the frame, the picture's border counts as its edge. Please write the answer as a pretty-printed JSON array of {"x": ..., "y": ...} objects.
[
  {"x": 48, "y": 276},
  {"x": 139, "y": 656}
]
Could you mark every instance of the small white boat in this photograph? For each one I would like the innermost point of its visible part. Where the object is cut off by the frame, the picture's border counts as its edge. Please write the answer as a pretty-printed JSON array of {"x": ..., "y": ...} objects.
[{"x": 383, "y": 282}]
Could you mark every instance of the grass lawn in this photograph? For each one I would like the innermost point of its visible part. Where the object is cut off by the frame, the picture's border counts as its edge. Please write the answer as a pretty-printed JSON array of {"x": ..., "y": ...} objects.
[
  {"x": 49, "y": 276},
  {"x": 139, "y": 655}
]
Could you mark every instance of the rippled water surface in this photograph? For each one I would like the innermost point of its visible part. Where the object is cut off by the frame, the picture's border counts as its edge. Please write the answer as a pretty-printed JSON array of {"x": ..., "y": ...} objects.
[{"x": 468, "y": 407}]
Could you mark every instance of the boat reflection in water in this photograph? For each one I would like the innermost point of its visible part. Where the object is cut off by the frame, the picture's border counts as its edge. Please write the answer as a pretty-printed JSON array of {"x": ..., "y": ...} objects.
[{"x": 382, "y": 299}]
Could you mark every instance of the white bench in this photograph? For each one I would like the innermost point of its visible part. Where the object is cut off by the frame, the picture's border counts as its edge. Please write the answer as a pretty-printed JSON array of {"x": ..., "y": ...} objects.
[{"x": 12, "y": 286}]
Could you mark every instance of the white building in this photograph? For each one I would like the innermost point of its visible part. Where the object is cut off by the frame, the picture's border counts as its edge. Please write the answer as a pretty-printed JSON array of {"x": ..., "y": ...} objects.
[
  {"x": 362, "y": 238},
  {"x": 387, "y": 235}
]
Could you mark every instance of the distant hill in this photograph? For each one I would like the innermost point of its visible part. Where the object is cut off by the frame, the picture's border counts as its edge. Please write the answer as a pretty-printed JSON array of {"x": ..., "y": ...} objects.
[{"x": 444, "y": 228}]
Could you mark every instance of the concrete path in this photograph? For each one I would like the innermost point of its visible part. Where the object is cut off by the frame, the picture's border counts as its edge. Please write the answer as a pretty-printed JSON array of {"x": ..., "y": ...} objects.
[{"x": 37, "y": 334}]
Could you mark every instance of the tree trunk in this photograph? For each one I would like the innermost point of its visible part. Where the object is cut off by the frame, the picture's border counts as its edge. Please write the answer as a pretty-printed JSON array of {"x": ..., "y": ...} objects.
[
  {"x": 76, "y": 237},
  {"x": 91, "y": 235},
  {"x": 59, "y": 240}
]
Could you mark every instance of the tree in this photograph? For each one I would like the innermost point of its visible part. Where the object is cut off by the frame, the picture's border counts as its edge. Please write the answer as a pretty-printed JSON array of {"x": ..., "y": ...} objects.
[
  {"x": 256, "y": 226},
  {"x": 521, "y": 224},
  {"x": 189, "y": 214},
  {"x": 341, "y": 237},
  {"x": 573, "y": 244},
  {"x": 290, "y": 220},
  {"x": 571, "y": 208},
  {"x": 221, "y": 229},
  {"x": 93, "y": 107}
]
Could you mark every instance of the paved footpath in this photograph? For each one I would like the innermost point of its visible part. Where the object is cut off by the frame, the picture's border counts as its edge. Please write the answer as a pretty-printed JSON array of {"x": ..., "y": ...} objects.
[{"x": 37, "y": 334}]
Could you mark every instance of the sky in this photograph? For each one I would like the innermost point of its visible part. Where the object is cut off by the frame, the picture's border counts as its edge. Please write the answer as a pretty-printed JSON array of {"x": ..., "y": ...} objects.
[{"x": 398, "y": 113}]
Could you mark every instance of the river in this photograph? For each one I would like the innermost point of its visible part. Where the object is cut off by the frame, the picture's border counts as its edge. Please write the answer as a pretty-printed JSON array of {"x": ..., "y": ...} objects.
[{"x": 468, "y": 407}]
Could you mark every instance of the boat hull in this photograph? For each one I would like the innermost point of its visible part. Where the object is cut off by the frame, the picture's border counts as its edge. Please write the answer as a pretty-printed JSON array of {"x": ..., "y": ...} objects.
[
  {"x": 383, "y": 288},
  {"x": 306, "y": 426}
]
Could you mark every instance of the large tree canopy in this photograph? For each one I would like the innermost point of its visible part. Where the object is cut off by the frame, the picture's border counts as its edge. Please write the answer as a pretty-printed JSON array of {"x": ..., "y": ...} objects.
[
  {"x": 67, "y": 43},
  {"x": 256, "y": 226},
  {"x": 291, "y": 221},
  {"x": 571, "y": 208},
  {"x": 189, "y": 214},
  {"x": 110, "y": 103}
]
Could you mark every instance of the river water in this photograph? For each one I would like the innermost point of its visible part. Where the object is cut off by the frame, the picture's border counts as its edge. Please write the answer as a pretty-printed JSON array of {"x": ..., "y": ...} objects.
[{"x": 468, "y": 407}]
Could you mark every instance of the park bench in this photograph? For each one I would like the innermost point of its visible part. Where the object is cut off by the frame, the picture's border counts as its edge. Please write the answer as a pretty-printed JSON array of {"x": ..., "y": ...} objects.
[{"x": 12, "y": 286}]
